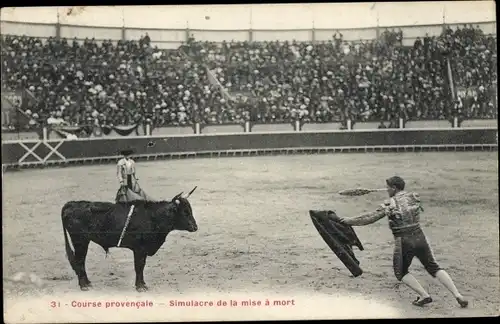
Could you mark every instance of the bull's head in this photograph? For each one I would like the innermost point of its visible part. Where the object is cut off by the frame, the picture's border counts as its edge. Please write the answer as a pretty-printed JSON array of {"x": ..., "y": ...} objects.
[{"x": 184, "y": 219}]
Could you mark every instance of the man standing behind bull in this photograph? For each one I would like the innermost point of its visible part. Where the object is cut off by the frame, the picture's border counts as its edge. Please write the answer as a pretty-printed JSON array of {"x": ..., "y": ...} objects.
[
  {"x": 403, "y": 211},
  {"x": 126, "y": 170}
]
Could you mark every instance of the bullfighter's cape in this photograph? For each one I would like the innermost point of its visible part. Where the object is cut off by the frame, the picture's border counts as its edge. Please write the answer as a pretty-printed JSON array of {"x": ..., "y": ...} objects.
[
  {"x": 125, "y": 194},
  {"x": 341, "y": 239}
]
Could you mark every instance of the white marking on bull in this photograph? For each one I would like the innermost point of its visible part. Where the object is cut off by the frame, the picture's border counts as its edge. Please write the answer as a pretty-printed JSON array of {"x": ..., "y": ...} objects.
[{"x": 126, "y": 225}]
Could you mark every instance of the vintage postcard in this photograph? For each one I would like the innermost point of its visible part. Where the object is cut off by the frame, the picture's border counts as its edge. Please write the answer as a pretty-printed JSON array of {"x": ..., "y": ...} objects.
[{"x": 250, "y": 162}]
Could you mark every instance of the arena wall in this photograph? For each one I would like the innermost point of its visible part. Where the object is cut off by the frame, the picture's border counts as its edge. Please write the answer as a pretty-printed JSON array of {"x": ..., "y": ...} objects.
[
  {"x": 25, "y": 154},
  {"x": 261, "y": 16},
  {"x": 257, "y": 22}
]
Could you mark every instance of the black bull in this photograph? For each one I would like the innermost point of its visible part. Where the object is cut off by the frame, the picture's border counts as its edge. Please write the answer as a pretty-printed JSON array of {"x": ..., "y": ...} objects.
[{"x": 103, "y": 222}]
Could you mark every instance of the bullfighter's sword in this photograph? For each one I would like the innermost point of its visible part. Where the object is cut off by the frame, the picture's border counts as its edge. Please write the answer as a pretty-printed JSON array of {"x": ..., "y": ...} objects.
[{"x": 358, "y": 191}]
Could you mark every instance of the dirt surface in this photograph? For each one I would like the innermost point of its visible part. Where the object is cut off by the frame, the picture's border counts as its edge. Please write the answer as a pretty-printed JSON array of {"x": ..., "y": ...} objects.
[{"x": 255, "y": 237}]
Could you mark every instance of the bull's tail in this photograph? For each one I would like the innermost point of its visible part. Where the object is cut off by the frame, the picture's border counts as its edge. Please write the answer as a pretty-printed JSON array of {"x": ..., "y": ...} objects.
[{"x": 70, "y": 254}]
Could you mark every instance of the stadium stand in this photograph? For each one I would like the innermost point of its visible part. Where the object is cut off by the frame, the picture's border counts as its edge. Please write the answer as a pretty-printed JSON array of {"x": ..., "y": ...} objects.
[{"x": 264, "y": 82}]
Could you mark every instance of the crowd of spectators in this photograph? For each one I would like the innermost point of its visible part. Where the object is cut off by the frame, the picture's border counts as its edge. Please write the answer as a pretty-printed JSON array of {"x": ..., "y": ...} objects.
[
  {"x": 106, "y": 83},
  {"x": 381, "y": 80},
  {"x": 474, "y": 70},
  {"x": 369, "y": 80}
]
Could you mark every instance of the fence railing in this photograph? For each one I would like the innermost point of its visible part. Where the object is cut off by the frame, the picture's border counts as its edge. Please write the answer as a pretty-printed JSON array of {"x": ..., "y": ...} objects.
[
  {"x": 173, "y": 38},
  {"x": 61, "y": 152}
]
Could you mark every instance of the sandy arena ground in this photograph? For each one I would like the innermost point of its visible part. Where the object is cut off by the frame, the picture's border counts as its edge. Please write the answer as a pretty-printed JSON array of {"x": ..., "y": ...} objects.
[{"x": 256, "y": 240}]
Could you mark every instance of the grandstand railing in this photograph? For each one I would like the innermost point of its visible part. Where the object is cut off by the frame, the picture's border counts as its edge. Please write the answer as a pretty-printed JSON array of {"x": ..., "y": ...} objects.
[{"x": 173, "y": 38}]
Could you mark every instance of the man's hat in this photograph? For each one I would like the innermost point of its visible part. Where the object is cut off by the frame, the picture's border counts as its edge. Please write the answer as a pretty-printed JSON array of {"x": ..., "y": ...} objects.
[
  {"x": 127, "y": 152},
  {"x": 397, "y": 182}
]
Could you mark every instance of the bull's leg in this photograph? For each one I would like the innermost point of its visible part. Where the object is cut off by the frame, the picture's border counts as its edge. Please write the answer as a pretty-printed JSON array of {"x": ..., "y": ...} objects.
[
  {"x": 81, "y": 247},
  {"x": 139, "y": 264}
]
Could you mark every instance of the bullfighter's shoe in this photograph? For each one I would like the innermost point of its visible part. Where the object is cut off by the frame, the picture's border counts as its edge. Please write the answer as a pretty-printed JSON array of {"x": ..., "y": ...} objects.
[
  {"x": 421, "y": 302},
  {"x": 463, "y": 302}
]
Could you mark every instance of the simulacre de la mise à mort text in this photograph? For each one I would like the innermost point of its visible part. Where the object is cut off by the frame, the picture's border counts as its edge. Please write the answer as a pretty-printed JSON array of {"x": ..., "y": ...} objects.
[{"x": 111, "y": 304}]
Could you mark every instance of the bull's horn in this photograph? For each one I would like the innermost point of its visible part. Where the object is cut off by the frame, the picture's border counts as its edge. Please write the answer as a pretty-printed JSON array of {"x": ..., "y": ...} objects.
[
  {"x": 189, "y": 194},
  {"x": 179, "y": 195}
]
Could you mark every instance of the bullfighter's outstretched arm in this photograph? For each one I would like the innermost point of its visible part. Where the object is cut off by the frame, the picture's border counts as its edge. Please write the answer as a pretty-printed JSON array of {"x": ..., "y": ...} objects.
[{"x": 366, "y": 218}]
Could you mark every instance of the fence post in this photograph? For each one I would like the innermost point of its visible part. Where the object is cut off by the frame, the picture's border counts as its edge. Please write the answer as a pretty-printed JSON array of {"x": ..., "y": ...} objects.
[
  {"x": 444, "y": 19},
  {"x": 313, "y": 33},
  {"x": 401, "y": 123},
  {"x": 297, "y": 125},
  {"x": 58, "y": 26}
]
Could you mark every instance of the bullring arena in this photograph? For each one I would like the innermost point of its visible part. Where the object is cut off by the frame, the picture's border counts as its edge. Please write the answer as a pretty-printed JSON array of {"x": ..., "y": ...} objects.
[
  {"x": 256, "y": 236},
  {"x": 255, "y": 241}
]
